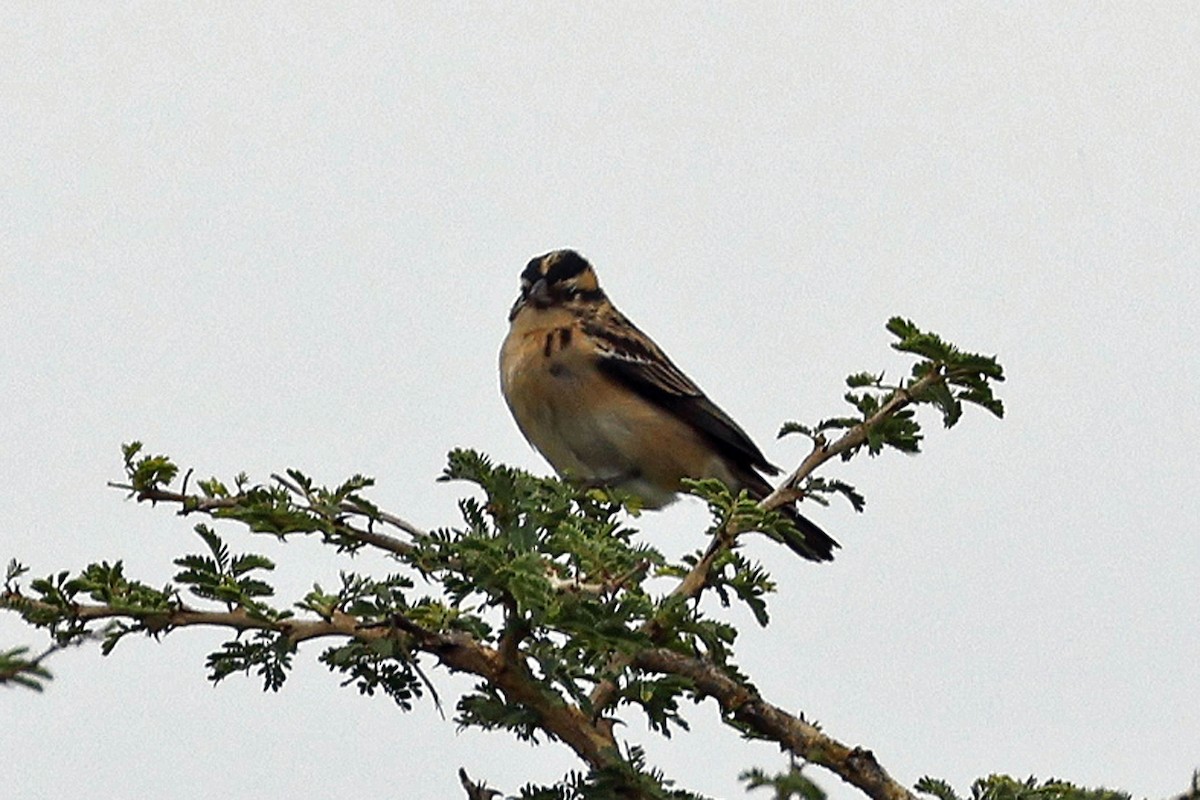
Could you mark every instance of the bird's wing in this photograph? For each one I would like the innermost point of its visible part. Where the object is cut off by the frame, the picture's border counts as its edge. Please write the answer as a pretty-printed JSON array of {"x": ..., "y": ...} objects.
[{"x": 634, "y": 360}]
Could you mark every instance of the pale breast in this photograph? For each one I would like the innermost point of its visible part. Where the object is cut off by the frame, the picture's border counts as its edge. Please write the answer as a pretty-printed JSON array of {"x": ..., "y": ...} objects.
[
  {"x": 588, "y": 426},
  {"x": 553, "y": 397}
]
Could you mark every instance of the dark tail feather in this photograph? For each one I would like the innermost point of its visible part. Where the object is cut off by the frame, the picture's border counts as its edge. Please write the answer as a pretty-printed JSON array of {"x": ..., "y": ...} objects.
[{"x": 807, "y": 540}]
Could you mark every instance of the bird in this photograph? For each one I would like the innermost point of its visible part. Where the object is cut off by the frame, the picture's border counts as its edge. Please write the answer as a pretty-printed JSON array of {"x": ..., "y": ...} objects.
[{"x": 605, "y": 405}]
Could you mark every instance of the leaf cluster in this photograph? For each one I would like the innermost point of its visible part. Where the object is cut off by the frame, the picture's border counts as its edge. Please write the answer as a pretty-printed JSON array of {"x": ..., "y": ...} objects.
[
  {"x": 631, "y": 777},
  {"x": 567, "y": 582},
  {"x": 1004, "y": 787},
  {"x": 16, "y": 667},
  {"x": 288, "y": 506},
  {"x": 791, "y": 784},
  {"x": 943, "y": 377}
]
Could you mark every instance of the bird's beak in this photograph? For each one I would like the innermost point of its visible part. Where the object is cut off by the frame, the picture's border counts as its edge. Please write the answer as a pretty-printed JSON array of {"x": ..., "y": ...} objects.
[{"x": 538, "y": 295}]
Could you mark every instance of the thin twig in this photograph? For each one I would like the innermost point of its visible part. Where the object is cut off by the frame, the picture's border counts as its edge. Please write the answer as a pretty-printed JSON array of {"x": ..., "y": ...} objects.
[
  {"x": 190, "y": 503},
  {"x": 383, "y": 516},
  {"x": 787, "y": 492}
]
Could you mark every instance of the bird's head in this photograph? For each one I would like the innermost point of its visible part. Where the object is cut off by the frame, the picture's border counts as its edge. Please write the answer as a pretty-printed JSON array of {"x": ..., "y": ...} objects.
[{"x": 558, "y": 278}]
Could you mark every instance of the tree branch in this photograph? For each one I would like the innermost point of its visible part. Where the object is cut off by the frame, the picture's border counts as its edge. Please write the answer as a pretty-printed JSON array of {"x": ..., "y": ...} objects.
[
  {"x": 692, "y": 584},
  {"x": 743, "y": 704},
  {"x": 787, "y": 492},
  {"x": 457, "y": 650},
  {"x": 212, "y": 506}
]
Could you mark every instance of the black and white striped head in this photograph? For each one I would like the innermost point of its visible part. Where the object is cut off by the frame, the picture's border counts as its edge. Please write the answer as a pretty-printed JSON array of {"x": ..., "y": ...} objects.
[{"x": 560, "y": 277}]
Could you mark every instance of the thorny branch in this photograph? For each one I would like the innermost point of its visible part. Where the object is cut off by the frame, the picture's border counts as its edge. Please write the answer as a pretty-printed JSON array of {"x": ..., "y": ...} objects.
[
  {"x": 787, "y": 491},
  {"x": 744, "y": 705},
  {"x": 588, "y": 734},
  {"x": 212, "y": 506},
  {"x": 590, "y": 739},
  {"x": 458, "y": 651}
]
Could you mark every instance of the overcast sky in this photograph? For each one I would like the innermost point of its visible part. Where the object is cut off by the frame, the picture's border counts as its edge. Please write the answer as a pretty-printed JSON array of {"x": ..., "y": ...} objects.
[{"x": 260, "y": 236}]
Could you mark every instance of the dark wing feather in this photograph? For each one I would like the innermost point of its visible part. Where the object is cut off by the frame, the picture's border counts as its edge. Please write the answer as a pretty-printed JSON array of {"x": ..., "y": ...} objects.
[{"x": 629, "y": 356}]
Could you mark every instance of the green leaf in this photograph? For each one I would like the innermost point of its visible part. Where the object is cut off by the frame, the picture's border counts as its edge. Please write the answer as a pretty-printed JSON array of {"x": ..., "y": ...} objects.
[
  {"x": 936, "y": 787},
  {"x": 790, "y": 784},
  {"x": 864, "y": 379},
  {"x": 789, "y": 428},
  {"x": 149, "y": 472},
  {"x": 217, "y": 547}
]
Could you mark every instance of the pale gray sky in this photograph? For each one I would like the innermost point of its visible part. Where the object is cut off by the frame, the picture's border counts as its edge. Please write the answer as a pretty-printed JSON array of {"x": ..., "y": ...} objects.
[{"x": 264, "y": 235}]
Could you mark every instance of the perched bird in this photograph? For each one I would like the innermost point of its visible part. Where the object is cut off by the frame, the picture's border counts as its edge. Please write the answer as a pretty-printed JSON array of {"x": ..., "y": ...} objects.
[{"x": 604, "y": 405}]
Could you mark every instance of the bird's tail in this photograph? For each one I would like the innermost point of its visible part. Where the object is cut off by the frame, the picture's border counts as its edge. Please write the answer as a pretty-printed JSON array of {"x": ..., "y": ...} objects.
[{"x": 807, "y": 540}]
